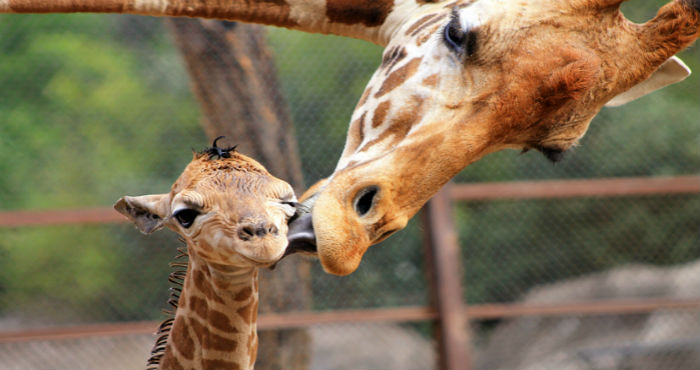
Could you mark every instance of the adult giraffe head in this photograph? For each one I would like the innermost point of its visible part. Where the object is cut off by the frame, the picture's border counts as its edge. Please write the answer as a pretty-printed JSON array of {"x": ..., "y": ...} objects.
[
  {"x": 458, "y": 80},
  {"x": 462, "y": 79}
]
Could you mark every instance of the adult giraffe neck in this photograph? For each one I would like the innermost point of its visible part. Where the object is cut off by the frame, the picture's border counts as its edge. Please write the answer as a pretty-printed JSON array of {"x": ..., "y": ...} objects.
[
  {"x": 372, "y": 21},
  {"x": 215, "y": 321}
]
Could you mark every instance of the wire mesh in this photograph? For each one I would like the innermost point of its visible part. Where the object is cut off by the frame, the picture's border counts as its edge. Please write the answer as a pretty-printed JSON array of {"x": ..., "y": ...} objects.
[{"x": 93, "y": 107}]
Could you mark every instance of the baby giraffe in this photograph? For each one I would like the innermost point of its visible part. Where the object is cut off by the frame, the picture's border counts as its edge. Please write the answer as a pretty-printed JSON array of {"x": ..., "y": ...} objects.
[{"x": 233, "y": 216}]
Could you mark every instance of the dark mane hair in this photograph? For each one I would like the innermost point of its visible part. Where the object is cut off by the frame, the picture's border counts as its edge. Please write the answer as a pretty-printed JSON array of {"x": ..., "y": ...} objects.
[
  {"x": 216, "y": 152},
  {"x": 177, "y": 279}
]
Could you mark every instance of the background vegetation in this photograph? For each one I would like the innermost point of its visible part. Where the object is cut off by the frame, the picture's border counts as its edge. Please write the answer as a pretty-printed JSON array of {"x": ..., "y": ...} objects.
[{"x": 96, "y": 107}]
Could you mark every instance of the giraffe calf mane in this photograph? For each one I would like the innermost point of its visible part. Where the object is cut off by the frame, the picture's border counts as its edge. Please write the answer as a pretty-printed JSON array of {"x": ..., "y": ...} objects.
[
  {"x": 216, "y": 152},
  {"x": 176, "y": 278}
]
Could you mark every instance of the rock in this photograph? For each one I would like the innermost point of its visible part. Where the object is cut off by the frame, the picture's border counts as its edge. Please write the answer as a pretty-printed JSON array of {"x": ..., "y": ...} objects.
[{"x": 657, "y": 340}]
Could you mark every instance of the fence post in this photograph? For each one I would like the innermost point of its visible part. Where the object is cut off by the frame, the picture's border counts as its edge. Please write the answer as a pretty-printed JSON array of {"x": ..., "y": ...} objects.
[{"x": 443, "y": 262}]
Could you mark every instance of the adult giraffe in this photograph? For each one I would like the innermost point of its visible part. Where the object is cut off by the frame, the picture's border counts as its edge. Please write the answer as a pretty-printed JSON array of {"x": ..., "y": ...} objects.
[{"x": 458, "y": 80}]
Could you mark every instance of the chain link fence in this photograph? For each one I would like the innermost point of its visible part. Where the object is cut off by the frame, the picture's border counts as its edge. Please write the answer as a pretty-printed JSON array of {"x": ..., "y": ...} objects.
[{"x": 94, "y": 107}]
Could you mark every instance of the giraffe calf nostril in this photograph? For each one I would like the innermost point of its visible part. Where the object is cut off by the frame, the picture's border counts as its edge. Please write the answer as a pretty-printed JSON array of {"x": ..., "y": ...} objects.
[
  {"x": 246, "y": 232},
  {"x": 251, "y": 231}
]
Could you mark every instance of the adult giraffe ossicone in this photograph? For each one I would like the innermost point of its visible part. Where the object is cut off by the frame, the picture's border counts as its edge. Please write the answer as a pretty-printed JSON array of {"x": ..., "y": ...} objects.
[{"x": 458, "y": 80}]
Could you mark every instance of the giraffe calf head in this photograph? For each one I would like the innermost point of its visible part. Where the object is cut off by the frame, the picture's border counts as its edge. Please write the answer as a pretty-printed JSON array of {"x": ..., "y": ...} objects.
[{"x": 226, "y": 206}]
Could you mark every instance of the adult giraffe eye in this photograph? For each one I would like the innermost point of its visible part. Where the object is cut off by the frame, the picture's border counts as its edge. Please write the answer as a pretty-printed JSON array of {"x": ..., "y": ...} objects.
[
  {"x": 457, "y": 38},
  {"x": 185, "y": 217},
  {"x": 453, "y": 34}
]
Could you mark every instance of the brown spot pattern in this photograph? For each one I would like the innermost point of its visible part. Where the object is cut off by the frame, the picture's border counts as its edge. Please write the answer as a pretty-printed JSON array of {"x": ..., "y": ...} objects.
[
  {"x": 380, "y": 113},
  {"x": 244, "y": 294},
  {"x": 219, "y": 343},
  {"x": 220, "y": 321},
  {"x": 199, "y": 306},
  {"x": 370, "y": 13},
  {"x": 272, "y": 12},
  {"x": 246, "y": 312},
  {"x": 461, "y": 5},
  {"x": 364, "y": 96},
  {"x": 200, "y": 282},
  {"x": 423, "y": 38},
  {"x": 419, "y": 22},
  {"x": 432, "y": 80},
  {"x": 430, "y": 22},
  {"x": 356, "y": 133},
  {"x": 399, "y": 76},
  {"x": 169, "y": 361},
  {"x": 199, "y": 330},
  {"x": 181, "y": 339},
  {"x": 253, "y": 348},
  {"x": 393, "y": 56},
  {"x": 252, "y": 337},
  {"x": 401, "y": 124},
  {"x": 220, "y": 364}
]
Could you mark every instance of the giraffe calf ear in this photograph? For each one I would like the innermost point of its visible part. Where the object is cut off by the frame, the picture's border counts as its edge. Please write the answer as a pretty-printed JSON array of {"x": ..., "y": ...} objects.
[
  {"x": 147, "y": 212},
  {"x": 671, "y": 71}
]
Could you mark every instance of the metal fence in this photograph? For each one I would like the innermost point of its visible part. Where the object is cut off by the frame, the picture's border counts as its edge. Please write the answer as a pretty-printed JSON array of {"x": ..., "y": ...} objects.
[{"x": 538, "y": 274}]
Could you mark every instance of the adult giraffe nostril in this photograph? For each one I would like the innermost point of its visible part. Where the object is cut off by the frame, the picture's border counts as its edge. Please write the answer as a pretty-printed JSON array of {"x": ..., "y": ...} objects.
[{"x": 364, "y": 200}]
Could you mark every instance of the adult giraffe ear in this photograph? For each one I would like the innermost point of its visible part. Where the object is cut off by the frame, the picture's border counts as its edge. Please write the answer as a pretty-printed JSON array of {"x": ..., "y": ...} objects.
[
  {"x": 671, "y": 71},
  {"x": 147, "y": 212}
]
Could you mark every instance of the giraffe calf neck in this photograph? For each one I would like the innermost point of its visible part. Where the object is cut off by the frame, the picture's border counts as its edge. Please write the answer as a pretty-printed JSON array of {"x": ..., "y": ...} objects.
[{"x": 215, "y": 321}]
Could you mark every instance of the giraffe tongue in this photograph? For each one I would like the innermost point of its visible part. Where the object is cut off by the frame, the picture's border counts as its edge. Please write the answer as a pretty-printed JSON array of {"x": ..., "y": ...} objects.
[{"x": 301, "y": 236}]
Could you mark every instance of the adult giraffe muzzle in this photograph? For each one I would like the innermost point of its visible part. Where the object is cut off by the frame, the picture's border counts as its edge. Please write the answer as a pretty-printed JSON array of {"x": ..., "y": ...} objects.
[{"x": 458, "y": 80}]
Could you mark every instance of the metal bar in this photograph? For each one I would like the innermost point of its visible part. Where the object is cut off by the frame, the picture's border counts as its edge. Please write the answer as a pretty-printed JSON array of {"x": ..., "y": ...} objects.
[
  {"x": 80, "y": 331},
  {"x": 616, "y": 307},
  {"x": 60, "y": 217},
  {"x": 304, "y": 319},
  {"x": 400, "y": 314},
  {"x": 480, "y": 191},
  {"x": 613, "y": 187},
  {"x": 443, "y": 258}
]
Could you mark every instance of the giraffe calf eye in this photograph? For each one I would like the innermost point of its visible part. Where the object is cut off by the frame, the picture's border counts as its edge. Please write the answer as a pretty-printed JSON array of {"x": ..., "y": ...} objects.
[{"x": 185, "y": 217}]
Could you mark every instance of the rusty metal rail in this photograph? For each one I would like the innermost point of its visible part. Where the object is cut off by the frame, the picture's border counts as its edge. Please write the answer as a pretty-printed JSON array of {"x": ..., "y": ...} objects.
[
  {"x": 611, "y": 187},
  {"x": 635, "y": 186},
  {"x": 444, "y": 270},
  {"x": 104, "y": 215},
  {"x": 398, "y": 314}
]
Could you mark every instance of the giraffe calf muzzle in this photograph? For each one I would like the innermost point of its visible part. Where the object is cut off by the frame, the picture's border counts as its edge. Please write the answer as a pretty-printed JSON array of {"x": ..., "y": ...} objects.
[{"x": 252, "y": 231}]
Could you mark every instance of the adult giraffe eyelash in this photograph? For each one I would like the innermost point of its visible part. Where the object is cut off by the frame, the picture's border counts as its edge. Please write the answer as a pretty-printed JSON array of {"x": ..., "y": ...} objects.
[{"x": 459, "y": 40}]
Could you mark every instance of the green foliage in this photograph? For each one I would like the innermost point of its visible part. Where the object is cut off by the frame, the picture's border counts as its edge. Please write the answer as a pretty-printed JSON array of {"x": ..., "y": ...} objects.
[
  {"x": 90, "y": 105},
  {"x": 322, "y": 78},
  {"x": 85, "y": 120}
]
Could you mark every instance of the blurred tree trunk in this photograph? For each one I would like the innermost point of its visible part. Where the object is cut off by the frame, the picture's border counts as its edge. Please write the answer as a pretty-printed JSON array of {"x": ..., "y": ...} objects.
[{"x": 234, "y": 77}]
